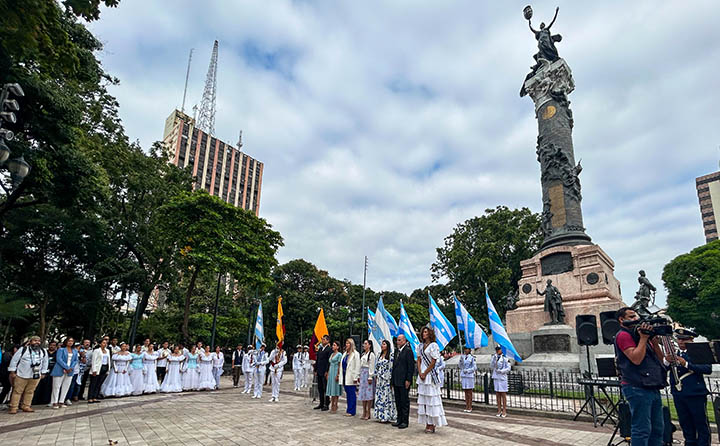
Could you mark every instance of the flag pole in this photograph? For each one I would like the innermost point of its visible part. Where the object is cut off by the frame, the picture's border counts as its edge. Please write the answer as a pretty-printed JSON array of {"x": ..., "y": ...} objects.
[{"x": 459, "y": 331}]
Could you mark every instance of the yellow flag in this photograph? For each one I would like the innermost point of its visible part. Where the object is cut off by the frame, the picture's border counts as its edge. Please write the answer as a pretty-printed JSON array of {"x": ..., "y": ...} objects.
[
  {"x": 280, "y": 329},
  {"x": 320, "y": 326}
]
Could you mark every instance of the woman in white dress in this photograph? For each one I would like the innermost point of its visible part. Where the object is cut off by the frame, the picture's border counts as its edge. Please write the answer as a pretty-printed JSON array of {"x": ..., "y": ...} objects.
[
  {"x": 500, "y": 368},
  {"x": 137, "y": 371},
  {"x": 429, "y": 401},
  {"x": 150, "y": 358},
  {"x": 118, "y": 382},
  {"x": 207, "y": 380},
  {"x": 173, "y": 379},
  {"x": 468, "y": 368},
  {"x": 191, "y": 372},
  {"x": 218, "y": 363}
]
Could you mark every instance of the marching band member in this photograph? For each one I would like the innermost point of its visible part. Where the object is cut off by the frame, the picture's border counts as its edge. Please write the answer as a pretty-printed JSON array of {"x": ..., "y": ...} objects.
[
  {"x": 468, "y": 368},
  {"x": 261, "y": 360},
  {"x": 500, "y": 367},
  {"x": 248, "y": 368},
  {"x": 308, "y": 370},
  {"x": 277, "y": 359},
  {"x": 298, "y": 367}
]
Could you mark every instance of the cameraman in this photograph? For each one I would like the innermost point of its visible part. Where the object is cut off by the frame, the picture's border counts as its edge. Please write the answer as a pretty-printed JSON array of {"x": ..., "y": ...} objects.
[{"x": 640, "y": 363}]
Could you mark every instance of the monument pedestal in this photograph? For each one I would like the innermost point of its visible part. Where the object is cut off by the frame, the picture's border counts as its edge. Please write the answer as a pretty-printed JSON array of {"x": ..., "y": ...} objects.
[
  {"x": 584, "y": 274},
  {"x": 554, "y": 347}
]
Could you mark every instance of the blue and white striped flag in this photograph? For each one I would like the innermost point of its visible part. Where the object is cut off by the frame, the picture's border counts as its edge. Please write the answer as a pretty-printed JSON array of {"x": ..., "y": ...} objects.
[
  {"x": 371, "y": 327},
  {"x": 259, "y": 332},
  {"x": 500, "y": 336},
  {"x": 444, "y": 330},
  {"x": 371, "y": 321},
  {"x": 381, "y": 330},
  {"x": 394, "y": 330},
  {"x": 407, "y": 329},
  {"x": 475, "y": 336}
]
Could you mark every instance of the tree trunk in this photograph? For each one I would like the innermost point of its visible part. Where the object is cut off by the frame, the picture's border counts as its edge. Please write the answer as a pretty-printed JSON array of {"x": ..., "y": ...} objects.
[
  {"x": 186, "y": 313},
  {"x": 43, "y": 321}
]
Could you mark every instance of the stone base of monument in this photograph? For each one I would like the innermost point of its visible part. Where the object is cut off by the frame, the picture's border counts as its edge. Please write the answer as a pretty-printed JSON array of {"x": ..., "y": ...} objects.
[
  {"x": 553, "y": 347},
  {"x": 584, "y": 274}
]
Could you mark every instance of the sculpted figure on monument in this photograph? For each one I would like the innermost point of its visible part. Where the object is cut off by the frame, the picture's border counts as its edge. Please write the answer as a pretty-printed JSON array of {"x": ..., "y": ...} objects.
[
  {"x": 546, "y": 44},
  {"x": 553, "y": 304},
  {"x": 511, "y": 299},
  {"x": 547, "y": 216},
  {"x": 645, "y": 296}
]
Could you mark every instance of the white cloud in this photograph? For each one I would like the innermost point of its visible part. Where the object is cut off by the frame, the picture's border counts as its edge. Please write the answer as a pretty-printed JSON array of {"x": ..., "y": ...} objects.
[{"x": 382, "y": 126}]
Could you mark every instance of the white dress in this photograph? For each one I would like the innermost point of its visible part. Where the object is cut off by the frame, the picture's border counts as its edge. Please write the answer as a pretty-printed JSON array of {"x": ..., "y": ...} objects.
[
  {"x": 430, "y": 409},
  {"x": 117, "y": 382},
  {"x": 207, "y": 379},
  {"x": 191, "y": 372},
  {"x": 173, "y": 381},
  {"x": 137, "y": 373},
  {"x": 150, "y": 363},
  {"x": 500, "y": 368}
]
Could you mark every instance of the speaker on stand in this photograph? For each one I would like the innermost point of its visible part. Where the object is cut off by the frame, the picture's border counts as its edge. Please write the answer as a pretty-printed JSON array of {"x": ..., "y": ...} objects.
[
  {"x": 609, "y": 327},
  {"x": 587, "y": 335}
]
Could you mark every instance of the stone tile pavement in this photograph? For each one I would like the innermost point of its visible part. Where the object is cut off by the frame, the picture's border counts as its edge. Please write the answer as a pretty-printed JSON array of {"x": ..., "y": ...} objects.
[{"x": 227, "y": 417}]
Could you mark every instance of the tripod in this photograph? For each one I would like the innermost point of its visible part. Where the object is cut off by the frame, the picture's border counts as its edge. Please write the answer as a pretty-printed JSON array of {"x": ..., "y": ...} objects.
[{"x": 591, "y": 402}]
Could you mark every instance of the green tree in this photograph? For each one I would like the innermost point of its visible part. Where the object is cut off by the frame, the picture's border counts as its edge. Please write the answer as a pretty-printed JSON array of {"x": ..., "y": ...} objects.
[
  {"x": 693, "y": 284},
  {"x": 487, "y": 249},
  {"x": 212, "y": 235}
]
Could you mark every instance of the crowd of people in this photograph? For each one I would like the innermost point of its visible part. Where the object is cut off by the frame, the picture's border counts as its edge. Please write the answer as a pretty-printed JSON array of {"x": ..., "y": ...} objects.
[{"x": 60, "y": 374}]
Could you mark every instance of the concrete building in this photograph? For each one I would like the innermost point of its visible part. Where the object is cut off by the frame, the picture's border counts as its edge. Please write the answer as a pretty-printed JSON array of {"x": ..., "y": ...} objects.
[
  {"x": 708, "y": 190},
  {"x": 220, "y": 168}
]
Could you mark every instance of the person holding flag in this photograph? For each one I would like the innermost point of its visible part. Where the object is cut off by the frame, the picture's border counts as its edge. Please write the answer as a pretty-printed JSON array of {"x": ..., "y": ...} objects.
[
  {"x": 499, "y": 362},
  {"x": 322, "y": 362},
  {"x": 277, "y": 359},
  {"x": 248, "y": 368},
  {"x": 261, "y": 360},
  {"x": 468, "y": 369}
]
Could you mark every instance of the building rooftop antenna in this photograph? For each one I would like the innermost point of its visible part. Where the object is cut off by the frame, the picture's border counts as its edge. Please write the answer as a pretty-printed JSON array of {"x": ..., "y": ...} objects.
[
  {"x": 240, "y": 144},
  {"x": 187, "y": 76},
  {"x": 206, "y": 116}
]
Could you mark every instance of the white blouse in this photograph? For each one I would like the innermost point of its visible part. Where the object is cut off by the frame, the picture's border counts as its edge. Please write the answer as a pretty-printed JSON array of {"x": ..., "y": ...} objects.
[{"x": 368, "y": 360}]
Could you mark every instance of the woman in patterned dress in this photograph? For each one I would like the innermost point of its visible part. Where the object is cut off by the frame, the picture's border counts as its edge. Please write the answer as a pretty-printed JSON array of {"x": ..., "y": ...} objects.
[
  {"x": 385, "y": 410},
  {"x": 366, "y": 393},
  {"x": 430, "y": 408}
]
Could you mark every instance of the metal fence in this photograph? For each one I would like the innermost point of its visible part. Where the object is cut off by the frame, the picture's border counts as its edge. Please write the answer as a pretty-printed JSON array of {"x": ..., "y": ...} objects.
[{"x": 545, "y": 390}]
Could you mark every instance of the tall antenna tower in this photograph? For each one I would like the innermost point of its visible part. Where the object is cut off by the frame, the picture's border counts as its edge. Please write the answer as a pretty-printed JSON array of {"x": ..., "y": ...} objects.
[
  {"x": 187, "y": 76},
  {"x": 206, "y": 117}
]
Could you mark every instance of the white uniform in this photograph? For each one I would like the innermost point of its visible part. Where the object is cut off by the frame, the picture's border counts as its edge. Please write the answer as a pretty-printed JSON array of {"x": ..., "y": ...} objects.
[
  {"x": 248, "y": 371},
  {"x": 298, "y": 365},
  {"x": 308, "y": 374},
  {"x": 218, "y": 363},
  {"x": 500, "y": 368},
  {"x": 278, "y": 359},
  {"x": 260, "y": 360}
]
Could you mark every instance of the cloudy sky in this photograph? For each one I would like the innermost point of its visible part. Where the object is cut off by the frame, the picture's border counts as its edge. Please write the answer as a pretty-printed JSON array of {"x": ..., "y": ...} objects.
[{"x": 384, "y": 124}]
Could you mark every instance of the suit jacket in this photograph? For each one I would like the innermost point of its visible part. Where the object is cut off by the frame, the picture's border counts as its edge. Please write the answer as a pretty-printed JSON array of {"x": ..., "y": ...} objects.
[
  {"x": 404, "y": 366},
  {"x": 63, "y": 361},
  {"x": 322, "y": 363}
]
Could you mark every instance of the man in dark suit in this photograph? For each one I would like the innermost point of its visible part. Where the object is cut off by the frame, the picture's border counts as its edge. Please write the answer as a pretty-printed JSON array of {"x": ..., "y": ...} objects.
[
  {"x": 322, "y": 365},
  {"x": 402, "y": 375},
  {"x": 691, "y": 400}
]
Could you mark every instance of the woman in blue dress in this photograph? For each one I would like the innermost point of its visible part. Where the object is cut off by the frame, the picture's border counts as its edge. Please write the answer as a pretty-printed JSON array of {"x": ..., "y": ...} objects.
[
  {"x": 137, "y": 371},
  {"x": 191, "y": 375},
  {"x": 385, "y": 410},
  {"x": 334, "y": 389}
]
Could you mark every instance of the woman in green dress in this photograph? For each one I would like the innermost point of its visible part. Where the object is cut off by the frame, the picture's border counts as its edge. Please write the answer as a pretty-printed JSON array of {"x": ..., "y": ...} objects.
[{"x": 334, "y": 389}]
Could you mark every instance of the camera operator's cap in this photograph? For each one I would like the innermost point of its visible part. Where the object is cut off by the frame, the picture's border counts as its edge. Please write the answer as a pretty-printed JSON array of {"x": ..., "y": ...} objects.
[{"x": 684, "y": 333}]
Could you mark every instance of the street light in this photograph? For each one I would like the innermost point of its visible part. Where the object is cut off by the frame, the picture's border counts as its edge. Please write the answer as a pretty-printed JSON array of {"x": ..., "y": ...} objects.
[{"x": 18, "y": 167}]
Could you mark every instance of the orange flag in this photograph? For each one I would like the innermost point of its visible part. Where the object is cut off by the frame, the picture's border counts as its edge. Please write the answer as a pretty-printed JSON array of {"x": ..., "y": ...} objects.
[
  {"x": 280, "y": 328},
  {"x": 320, "y": 326}
]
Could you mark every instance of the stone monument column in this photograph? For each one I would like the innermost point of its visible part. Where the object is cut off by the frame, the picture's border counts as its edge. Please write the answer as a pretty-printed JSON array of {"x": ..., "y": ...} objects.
[{"x": 562, "y": 219}]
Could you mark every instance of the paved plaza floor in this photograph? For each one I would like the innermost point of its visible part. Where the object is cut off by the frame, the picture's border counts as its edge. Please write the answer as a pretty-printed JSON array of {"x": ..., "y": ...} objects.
[{"x": 227, "y": 417}]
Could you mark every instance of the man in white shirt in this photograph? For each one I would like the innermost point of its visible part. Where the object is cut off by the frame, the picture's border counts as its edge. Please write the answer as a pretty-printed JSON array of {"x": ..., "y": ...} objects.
[
  {"x": 277, "y": 359},
  {"x": 145, "y": 345},
  {"x": 27, "y": 366},
  {"x": 298, "y": 366},
  {"x": 237, "y": 364},
  {"x": 163, "y": 353},
  {"x": 248, "y": 369},
  {"x": 114, "y": 347},
  {"x": 260, "y": 362}
]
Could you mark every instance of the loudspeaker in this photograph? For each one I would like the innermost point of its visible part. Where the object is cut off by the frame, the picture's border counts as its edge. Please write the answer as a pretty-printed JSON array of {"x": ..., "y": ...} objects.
[
  {"x": 609, "y": 327},
  {"x": 624, "y": 419},
  {"x": 586, "y": 329}
]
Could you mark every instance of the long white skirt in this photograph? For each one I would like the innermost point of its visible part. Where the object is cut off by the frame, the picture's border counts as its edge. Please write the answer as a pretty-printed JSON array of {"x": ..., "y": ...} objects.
[
  {"x": 173, "y": 379},
  {"x": 137, "y": 378},
  {"x": 207, "y": 379},
  {"x": 150, "y": 383},
  {"x": 430, "y": 409},
  {"x": 191, "y": 379},
  {"x": 116, "y": 384}
]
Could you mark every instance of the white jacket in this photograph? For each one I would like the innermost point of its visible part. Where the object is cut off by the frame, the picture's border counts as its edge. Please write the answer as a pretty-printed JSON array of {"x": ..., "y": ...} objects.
[
  {"x": 368, "y": 360},
  {"x": 352, "y": 376},
  {"x": 97, "y": 360}
]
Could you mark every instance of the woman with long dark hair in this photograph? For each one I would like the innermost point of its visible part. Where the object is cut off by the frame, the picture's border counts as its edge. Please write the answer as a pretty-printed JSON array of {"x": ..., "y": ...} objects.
[
  {"x": 62, "y": 372},
  {"x": 366, "y": 393},
  {"x": 334, "y": 386},
  {"x": 430, "y": 408},
  {"x": 98, "y": 371},
  {"x": 118, "y": 380},
  {"x": 385, "y": 410}
]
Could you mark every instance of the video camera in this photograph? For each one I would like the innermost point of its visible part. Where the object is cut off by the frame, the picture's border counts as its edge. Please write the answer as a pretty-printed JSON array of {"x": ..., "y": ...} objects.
[{"x": 660, "y": 326}]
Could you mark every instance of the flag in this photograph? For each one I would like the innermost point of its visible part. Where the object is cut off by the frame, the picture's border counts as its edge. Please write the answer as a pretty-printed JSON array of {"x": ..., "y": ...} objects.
[
  {"x": 320, "y": 329},
  {"x": 381, "y": 329},
  {"x": 259, "y": 333},
  {"x": 280, "y": 327},
  {"x": 500, "y": 336},
  {"x": 444, "y": 331},
  {"x": 371, "y": 326},
  {"x": 407, "y": 329},
  {"x": 312, "y": 354},
  {"x": 474, "y": 335},
  {"x": 394, "y": 331}
]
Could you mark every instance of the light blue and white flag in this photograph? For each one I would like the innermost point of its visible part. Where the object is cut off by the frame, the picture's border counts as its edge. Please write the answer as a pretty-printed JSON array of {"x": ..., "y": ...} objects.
[
  {"x": 444, "y": 330},
  {"x": 381, "y": 330},
  {"x": 500, "y": 336},
  {"x": 475, "y": 336},
  {"x": 371, "y": 321},
  {"x": 371, "y": 336},
  {"x": 259, "y": 332},
  {"x": 407, "y": 329},
  {"x": 394, "y": 330}
]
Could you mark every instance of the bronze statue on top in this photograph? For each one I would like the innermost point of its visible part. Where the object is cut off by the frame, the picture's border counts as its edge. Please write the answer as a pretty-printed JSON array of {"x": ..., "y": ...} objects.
[
  {"x": 645, "y": 296},
  {"x": 546, "y": 44},
  {"x": 553, "y": 304}
]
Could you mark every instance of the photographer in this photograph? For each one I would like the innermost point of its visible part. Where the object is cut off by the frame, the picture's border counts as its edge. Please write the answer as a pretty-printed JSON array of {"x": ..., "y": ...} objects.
[
  {"x": 27, "y": 366},
  {"x": 640, "y": 363}
]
